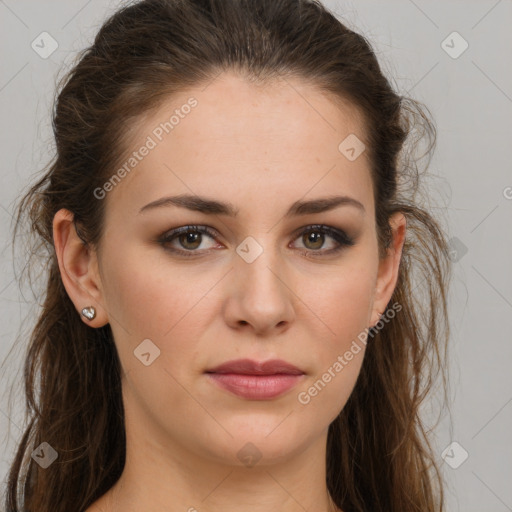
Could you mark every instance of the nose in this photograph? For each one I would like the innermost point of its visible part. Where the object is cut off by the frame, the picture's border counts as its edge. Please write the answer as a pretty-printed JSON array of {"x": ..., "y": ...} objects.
[{"x": 260, "y": 297}]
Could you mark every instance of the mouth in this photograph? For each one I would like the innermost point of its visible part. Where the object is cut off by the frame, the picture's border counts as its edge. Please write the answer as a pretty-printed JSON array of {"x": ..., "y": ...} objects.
[{"x": 256, "y": 380}]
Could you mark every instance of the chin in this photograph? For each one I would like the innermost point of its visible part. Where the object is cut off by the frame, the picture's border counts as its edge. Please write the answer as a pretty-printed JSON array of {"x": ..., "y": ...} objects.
[{"x": 268, "y": 442}]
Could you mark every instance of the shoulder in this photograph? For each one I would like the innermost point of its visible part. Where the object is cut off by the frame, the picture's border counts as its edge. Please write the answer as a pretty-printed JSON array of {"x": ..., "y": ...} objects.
[{"x": 98, "y": 506}]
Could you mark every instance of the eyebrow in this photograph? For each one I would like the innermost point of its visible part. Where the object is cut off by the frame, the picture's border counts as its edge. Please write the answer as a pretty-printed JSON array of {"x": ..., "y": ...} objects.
[{"x": 212, "y": 207}]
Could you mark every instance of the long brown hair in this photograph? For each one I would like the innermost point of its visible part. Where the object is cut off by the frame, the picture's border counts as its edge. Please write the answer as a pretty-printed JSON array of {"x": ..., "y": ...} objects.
[{"x": 379, "y": 456}]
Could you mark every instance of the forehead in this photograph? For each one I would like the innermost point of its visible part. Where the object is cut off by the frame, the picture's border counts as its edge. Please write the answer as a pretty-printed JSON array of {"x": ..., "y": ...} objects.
[{"x": 230, "y": 137}]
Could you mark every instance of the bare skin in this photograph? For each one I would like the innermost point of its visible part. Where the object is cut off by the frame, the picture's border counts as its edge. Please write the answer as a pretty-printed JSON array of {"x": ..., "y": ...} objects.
[{"x": 260, "y": 149}]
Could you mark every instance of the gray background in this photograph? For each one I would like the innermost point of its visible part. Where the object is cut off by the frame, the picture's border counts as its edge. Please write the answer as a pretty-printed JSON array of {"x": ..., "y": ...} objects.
[{"x": 470, "y": 98}]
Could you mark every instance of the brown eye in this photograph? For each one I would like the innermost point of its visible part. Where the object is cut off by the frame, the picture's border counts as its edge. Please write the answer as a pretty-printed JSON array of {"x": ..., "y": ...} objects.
[
  {"x": 314, "y": 237},
  {"x": 313, "y": 240},
  {"x": 188, "y": 238}
]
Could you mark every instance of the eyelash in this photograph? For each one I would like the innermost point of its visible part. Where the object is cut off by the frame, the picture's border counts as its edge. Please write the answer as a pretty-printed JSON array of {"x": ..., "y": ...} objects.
[{"x": 339, "y": 236}]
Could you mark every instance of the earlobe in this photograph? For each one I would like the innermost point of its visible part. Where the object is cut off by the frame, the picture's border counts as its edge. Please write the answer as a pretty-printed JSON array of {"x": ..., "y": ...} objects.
[
  {"x": 389, "y": 267},
  {"x": 78, "y": 269}
]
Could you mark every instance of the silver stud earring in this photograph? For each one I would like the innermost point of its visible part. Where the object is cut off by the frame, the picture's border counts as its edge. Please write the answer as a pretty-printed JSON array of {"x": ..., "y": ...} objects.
[{"x": 89, "y": 312}]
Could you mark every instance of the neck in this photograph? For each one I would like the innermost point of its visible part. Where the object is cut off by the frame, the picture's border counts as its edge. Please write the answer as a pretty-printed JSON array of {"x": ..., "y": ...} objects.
[{"x": 164, "y": 478}]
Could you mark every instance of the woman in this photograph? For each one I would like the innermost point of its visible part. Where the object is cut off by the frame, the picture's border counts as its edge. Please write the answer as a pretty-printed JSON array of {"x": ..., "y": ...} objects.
[{"x": 230, "y": 320}]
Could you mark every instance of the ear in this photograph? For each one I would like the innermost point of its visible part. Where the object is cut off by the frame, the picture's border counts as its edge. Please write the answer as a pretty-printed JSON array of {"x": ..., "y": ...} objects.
[
  {"x": 387, "y": 275},
  {"x": 78, "y": 266}
]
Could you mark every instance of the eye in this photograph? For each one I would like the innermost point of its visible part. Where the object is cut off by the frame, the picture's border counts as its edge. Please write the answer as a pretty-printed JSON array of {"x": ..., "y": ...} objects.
[
  {"x": 189, "y": 237},
  {"x": 313, "y": 237}
]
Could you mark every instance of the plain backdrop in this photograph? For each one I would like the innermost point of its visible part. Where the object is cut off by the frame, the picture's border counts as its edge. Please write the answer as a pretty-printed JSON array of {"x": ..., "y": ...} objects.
[{"x": 455, "y": 57}]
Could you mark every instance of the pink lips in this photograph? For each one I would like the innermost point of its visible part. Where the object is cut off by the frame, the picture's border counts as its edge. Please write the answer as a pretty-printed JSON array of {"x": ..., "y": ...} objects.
[{"x": 256, "y": 381}]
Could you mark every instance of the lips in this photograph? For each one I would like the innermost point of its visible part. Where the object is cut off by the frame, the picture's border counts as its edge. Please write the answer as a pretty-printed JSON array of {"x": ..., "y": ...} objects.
[
  {"x": 250, "y": 367},
  {"x": 255, "y": 380}
]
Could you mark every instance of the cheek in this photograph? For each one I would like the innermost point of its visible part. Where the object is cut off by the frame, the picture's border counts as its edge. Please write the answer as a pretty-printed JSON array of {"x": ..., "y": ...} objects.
[
  {"x": 145, "y": 301},
  {"x": 339, "y": 357},
  {"x": 342, "y": 302},
  {"x": 327, "y": 392},
  {"x": 344, "y": 306}
]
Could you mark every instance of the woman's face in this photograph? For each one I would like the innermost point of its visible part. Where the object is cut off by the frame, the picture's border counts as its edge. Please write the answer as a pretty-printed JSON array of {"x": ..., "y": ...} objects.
[{"x": 246, "y": 289}]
